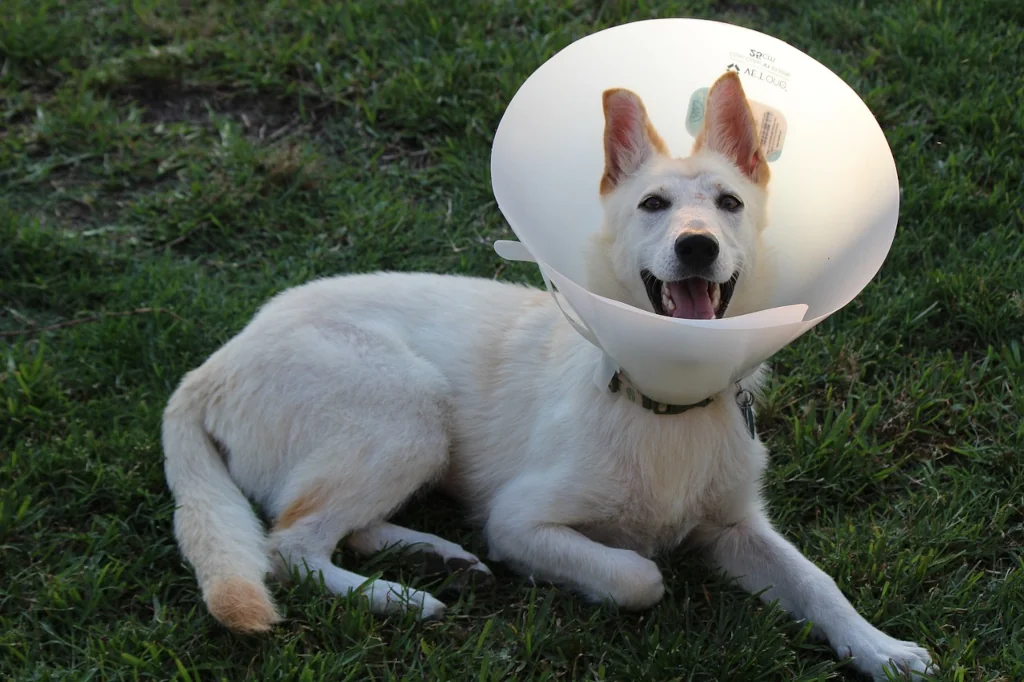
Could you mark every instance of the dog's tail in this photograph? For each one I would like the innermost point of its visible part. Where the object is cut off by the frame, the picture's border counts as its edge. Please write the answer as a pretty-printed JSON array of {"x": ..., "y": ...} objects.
[{"x": 216, "y": 528}]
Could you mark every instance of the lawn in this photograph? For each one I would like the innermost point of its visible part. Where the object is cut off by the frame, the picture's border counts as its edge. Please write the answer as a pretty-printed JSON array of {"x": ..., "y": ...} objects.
[{"x": 167, "y": 166}]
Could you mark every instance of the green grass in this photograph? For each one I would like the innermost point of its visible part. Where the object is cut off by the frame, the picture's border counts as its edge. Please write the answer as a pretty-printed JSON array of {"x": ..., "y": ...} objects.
[{"x": 180, "y": 162}]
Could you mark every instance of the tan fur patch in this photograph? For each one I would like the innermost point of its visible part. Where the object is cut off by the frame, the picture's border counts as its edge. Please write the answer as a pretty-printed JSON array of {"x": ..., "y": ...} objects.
[
  {"x": 242, "y": 606},
  {"x": 309, "y": 502}
]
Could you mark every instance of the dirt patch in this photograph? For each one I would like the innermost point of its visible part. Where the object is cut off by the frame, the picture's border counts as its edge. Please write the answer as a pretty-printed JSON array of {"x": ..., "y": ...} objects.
[
  {"x": 411, "y": 153},
  {"x": 172, "y": 105},
  {"x": 741, "y": 9}
]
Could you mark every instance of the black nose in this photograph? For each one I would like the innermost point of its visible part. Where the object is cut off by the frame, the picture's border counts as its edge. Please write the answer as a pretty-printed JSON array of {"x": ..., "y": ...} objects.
[{"x": 697, "y": 251}]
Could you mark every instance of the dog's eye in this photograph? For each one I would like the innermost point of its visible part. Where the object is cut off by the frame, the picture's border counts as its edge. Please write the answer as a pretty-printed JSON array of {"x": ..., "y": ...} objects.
[
  {"x": 729, "y": 202},
  {"x": 654, "y": 203}
]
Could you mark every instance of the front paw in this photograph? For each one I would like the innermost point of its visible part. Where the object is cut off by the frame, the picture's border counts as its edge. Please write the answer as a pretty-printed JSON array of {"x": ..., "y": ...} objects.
[
  {"x": 634, "y": 584},
  {"x": 884, "y": 658}
]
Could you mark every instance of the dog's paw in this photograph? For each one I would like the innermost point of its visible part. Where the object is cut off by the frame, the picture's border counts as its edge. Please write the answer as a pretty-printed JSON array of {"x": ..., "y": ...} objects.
[
  {"x": 387, "y": 598},
  {"x": 885, "y": 658},
  {"x": 636, "y": 584},
  {"x": 466, "y": 571},
  {"x": 431, "y": 609},
  {"x": 422, "y": 604},
  {"x": 469, "y": 574}
]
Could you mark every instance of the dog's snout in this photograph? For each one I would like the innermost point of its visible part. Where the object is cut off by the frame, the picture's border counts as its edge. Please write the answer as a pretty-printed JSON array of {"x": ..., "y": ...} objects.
[{"x": 697, "y": 251}]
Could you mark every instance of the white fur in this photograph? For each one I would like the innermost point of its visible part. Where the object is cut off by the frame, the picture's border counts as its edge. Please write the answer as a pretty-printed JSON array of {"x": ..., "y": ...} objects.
[{"x": 357, "y": 391}]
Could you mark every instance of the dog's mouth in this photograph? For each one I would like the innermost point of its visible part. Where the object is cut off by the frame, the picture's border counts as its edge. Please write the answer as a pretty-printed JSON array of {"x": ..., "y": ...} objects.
[{"x": 693, "y": 298}]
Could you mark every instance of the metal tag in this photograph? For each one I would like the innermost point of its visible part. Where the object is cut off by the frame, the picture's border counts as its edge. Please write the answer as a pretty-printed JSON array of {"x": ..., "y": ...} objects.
[{"x": 746, "y": 402}]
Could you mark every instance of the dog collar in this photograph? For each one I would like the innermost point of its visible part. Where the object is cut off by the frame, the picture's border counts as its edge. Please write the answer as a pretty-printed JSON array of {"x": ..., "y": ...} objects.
[{"x": 620, "y": 382}]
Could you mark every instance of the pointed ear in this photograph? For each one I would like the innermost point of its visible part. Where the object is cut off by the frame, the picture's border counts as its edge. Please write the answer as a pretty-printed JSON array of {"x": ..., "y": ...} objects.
[
  {"x": 730, "y": 129},
  {"x": 629, "y": 138}
]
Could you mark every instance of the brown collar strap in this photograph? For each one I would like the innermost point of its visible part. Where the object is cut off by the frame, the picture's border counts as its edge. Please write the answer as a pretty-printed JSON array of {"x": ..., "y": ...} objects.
[{"x": 620, "y": 382}]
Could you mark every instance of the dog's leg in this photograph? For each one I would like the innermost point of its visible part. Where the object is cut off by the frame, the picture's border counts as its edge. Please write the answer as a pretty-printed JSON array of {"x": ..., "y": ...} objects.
[
  {"x": 306, "y": 547},
  {"x": 761, "y": 559},
  {"x": 529, "y": 526},
  {"x": 383, "y": 535},
  {"x": 344, "y": 487},
  {"x": 377, "y": 440},
  {"x": 442, "y": 555}
]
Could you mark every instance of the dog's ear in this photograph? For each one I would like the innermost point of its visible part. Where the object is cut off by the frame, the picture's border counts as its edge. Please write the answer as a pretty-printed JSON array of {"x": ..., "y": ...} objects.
[
  {"x": 730, "y": 129},
  {"x": 629, "y": 138}
]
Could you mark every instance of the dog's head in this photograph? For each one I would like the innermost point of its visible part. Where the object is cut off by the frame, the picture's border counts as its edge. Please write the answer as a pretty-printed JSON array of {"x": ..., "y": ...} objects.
[{"x": 679, "y": 233}]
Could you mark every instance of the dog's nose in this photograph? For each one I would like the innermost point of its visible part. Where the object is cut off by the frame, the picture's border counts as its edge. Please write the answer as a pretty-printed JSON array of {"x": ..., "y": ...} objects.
[{"x": 696, "y": 251}]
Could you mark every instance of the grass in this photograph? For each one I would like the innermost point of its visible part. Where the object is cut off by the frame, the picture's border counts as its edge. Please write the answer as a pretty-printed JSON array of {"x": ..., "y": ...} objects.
[{"x": 165, "y": 167}]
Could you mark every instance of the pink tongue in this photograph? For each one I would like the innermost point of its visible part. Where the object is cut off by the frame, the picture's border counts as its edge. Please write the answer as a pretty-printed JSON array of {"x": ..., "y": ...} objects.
[{"x": 692, "y": 299}]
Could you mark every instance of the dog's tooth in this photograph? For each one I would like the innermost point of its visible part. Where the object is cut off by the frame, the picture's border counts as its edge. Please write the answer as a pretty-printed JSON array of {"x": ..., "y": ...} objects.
[{"x": 666, "y": 300}]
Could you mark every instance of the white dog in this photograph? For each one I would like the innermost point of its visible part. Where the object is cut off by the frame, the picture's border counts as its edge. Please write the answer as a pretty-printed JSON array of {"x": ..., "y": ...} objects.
[{"x": 345, "y": 396}]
